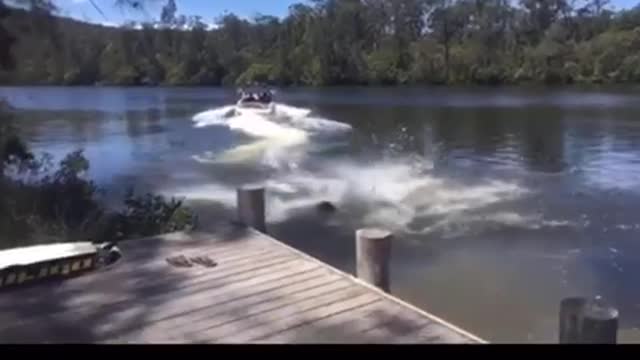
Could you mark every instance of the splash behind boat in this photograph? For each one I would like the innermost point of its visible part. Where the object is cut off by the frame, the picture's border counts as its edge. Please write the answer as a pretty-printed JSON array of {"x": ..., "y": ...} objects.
[{"x": 255, "y": 102}]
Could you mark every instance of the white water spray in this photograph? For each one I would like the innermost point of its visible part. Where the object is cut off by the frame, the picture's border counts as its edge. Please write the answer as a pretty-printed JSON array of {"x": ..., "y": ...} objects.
[
  {"x": 401, "y": 194},
  {"x": 278, "y": 141}
]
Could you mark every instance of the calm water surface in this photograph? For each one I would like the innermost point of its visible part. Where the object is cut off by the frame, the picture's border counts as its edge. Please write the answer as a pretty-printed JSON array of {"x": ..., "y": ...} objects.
[{"x": 503, "y": 201}]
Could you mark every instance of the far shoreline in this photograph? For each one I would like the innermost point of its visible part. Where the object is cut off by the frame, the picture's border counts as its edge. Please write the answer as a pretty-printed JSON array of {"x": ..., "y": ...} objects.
[{"x": 524, "y": 86}]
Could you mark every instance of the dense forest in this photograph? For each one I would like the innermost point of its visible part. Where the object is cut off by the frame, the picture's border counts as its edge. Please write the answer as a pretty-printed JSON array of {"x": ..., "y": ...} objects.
[{"x": 338, "y": 42}]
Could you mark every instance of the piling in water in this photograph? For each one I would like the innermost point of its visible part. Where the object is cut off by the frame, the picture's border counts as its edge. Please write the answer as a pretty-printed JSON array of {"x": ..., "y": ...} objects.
[
  {"x": 587, "y": 321},
  {"x": 251, "y": 207},
  {"x": 373, "y": 253}
]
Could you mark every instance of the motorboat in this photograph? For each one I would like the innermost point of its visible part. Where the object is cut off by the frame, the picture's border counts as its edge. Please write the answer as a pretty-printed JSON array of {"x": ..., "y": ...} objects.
[{"x": 255, "y": 102}]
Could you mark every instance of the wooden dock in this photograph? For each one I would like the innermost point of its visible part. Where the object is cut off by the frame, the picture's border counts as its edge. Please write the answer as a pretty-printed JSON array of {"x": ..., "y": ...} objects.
[{"x": 258, "y": 291}]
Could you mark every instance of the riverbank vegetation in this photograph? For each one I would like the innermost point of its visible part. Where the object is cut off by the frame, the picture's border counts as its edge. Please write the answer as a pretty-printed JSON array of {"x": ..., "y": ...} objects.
[
  {"x": 43, "y": 202},
  {"x": 339, "y": 42}
]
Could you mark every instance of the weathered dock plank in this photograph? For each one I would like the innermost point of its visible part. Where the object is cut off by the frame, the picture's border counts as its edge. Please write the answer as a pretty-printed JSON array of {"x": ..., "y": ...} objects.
[
  {"x": 259, "y": 291},
  {"x": 363, "y": 323}
]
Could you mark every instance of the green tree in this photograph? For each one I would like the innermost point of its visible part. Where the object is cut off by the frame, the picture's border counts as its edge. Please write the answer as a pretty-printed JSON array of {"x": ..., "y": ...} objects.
[{"x": 333, "y": 42}]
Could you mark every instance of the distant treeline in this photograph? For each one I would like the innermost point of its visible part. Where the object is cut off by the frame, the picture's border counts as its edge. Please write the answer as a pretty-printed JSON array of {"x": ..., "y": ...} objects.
[{"x": 340, "y": 42}]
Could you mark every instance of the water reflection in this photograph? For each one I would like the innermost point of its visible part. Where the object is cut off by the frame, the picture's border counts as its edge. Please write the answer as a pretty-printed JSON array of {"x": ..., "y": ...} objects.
[
  {"x": 140, "y": 123},
  {"x": 504, "y": 202},
  {"x": 543, "y": 141}
]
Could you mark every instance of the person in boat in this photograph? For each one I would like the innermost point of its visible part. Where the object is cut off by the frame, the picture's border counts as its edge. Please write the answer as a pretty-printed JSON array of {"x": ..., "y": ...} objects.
[
  {"x": 248, "y": 97},
  {"x": 256, "y": 97},
  {"x": 265, "y": 97}
]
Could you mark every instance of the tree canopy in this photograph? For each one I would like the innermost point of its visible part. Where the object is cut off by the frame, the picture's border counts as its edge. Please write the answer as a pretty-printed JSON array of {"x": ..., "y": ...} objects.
[{"x": 338, "y": 42}]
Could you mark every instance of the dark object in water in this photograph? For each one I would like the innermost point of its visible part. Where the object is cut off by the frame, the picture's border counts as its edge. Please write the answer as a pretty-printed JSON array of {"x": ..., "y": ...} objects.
[{"x": 326, "y": 207}]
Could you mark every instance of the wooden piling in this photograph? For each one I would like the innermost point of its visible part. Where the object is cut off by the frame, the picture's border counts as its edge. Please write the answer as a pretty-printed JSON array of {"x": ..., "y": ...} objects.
[
  {"x": 587, "y": 321},
  {"x": 373, "y": 254},
  {"x": 251, "y": 207},
  {"x": 599, "y": 324},
  {"x": 570, "y": 319}
]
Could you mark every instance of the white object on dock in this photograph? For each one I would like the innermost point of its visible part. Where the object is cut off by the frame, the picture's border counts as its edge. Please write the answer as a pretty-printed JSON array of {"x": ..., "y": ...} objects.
[{"x": 42, "y": 253}]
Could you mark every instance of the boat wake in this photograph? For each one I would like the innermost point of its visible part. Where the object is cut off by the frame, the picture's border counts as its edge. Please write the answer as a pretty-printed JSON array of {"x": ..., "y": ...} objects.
[
  {"x": 400, "y": 193},
  {"x": 277, "y": 140}
]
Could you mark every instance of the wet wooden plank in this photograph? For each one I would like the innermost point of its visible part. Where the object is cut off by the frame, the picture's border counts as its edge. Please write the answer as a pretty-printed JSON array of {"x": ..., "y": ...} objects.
[
  {"x": 345, "y": 327},
  {"x": 131, "y": 316},
  {"x": 148, "y": 297},
  {"x": 188, "y": 312},
  {"x": 234, "y": 296},
  {"x": 242, "y": 308},
  {"x": 244, "y": 324},
  {"x": 430, "y": 333},
  {"x": 283, "y": 322},
  {"x": 149, "y": 285},
  {"x": 157, "y": 259},
  {"x": 396, "y": 326},
  {"x": 261, "y": 291},
  {"x": 138, "y": 273},
  {"x": 144, "y": 277},
  {"x": 262, "y": 304}
]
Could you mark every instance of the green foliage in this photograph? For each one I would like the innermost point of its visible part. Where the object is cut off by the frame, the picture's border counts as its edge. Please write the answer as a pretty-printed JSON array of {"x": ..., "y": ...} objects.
[
  {"x": 152, "y": 214},
  {"x": 12, "y": 149},
  {"x": 260, "y": 73},
  {"x": 630, "y": 69},
  {"x": 329, "y": 42},
  {"x": 427, "y": 62},
  {"x": 42, "y": 203},
  {"x": 382, "y": 66},
  {"x": 6, "y": 38}
]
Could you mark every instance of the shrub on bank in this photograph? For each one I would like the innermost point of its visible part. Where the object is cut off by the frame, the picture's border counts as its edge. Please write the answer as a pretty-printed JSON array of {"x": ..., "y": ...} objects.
[{"x": 46, "y": 203}]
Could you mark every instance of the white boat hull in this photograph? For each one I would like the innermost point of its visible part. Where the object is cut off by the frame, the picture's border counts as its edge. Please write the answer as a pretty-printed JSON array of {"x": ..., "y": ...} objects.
[{"x": 255, "y": 110}]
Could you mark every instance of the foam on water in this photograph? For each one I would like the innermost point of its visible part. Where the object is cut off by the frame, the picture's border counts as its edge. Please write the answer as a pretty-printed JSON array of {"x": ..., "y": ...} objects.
[
  {"x": 286, "y": 118},
  {"x": 211, "y": 117},
  {"x": 316, "y": 125},
  {"x": 279, "y": 140},
  {"x": 400, "y": 193},
  {"x": 393, "y": 194},
  {"x": 292, "y": 111}
]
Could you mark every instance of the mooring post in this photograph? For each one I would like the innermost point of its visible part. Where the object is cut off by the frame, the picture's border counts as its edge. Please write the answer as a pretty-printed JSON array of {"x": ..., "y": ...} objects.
[
  {"x": 570, "y": 319},
  {"x": 373, "y": 254},
  {"x": 587, "y": 321},
  {"x": 251, "y": 205},
  {"x": 599, "y": 323}
]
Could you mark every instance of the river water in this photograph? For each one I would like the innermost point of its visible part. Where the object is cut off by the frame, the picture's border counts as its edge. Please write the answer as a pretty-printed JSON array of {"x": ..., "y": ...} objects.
[{"x": 503, "y": 201}]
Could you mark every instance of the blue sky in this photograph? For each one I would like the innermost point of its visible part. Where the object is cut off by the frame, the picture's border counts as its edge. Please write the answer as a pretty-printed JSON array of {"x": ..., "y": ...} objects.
[{"x": 208, "y": 9}]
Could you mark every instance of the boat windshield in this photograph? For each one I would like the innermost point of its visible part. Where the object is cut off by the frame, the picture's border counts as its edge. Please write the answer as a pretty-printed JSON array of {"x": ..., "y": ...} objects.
[{"x": 263, "y": 97}]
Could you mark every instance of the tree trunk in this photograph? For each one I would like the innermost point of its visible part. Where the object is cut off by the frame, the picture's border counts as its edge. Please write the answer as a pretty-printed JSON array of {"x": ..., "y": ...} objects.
[{"x": 446, "y": 53}]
